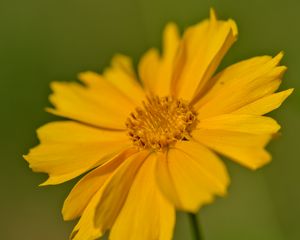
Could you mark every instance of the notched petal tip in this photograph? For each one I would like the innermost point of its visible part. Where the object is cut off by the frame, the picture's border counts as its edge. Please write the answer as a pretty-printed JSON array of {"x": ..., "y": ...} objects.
[
  {"x": 289, "y": 91},
  {"x": 264, "y": 161},
  {"x": 280, "y": 71},
  {"x": 234, "y": 28},
  {"x": 172, "y": 26},
  {"x": 277, "y": 127},
  {"x": 170, "y": 30},
  {"x": 231, "y": 22},
  {"x": 196, "y": 208},
  {"x": 84, "y": 74},
  {"x": 212, "y": 14},
  {"x": 27, "y": 159},
  {"x": 51, "y": 111},
  {"x": 48, "y": 182},
  {"x": 88, "y": 77},
  {"x": 284, "y": 95},
  {"x": 278, "y": 57},
  {"x": 223, "y": 189},
  {"x": 121, "y": 61},
  {"x": 54, "y": 85}
]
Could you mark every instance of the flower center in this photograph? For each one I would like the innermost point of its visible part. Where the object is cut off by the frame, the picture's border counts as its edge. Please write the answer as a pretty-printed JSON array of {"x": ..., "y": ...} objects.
[{"x": 161, "y": 122}]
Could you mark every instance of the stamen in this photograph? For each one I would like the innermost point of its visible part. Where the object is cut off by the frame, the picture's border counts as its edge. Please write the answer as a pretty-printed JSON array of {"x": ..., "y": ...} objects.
[{"x": 161, "y": 122}]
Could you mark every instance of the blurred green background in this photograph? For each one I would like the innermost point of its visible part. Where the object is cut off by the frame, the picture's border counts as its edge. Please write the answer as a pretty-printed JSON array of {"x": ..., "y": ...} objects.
[{"x": 47, "y": 40}]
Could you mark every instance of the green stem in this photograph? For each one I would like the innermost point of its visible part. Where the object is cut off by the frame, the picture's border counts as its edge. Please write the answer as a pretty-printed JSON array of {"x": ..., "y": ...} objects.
[{"x": 196, "y": 231}]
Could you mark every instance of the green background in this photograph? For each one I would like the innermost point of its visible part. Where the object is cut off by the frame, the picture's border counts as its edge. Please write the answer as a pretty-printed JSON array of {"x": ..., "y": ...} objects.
[{"x": 47, "y": 40}]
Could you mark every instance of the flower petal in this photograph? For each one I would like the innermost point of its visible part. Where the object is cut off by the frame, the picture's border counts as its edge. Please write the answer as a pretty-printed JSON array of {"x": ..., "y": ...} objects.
[
  {"x": 241, "y": 123},
  {"x": 148, "y": 69},
  {"x": 210, "y": 163},
  {"x": 266, "y": 104},
  {"x": 171, "y": 41},
  {"x": 202, "y": 48},
  {"x": 244, "y": 148},
  {"x": 116, "y": 190},
  {"x": 241, "y": 84},
  {"x": 121, "y": 74},
  {"x": 87, "y": 187},
  {"x": 102, "y": 211},
  {"x": 74, "y": 132},
  {"x": 155, "y": 70},
  {"x": 151, "y": 216},
  {"x": 85, "y": 228},
  {"x": 68, "y": 149},
  {"x": 190, "y": 175},
  {"x": 95, "y": 106}
]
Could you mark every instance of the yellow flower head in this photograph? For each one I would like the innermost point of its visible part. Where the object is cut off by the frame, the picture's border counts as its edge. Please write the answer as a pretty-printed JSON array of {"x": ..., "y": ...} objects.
[{"x": 150, "y": 148}]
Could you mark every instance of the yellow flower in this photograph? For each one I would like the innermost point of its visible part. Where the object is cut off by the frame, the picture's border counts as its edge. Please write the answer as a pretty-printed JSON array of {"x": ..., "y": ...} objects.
[{"x": 150, "y": 148}]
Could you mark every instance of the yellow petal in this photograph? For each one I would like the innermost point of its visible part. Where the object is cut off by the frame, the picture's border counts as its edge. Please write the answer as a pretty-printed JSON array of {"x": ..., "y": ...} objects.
[
  {"x": 155, "y": 70},
  {"x": 74, "y": 132},
  {"x": 87, "y": 187},
  {"x": 210, "y": 163},
  {"x": 115, "y": 191},
  {"x": 190, "y": 175},
  {"x": 240, "y": 123},
  {"x": 121, "y": 74},
  {"x": 124, "y": 63},
  {"x": 244, "y": 148},
  {"x": 148, "y": 69},
  {"x": 166, "y": 67},
  {"x": 102, "y": 211},
  {"x": 146, "y": 214},
  {"x": 201, "y": 50},
  {"x": 95, "y": 106},
  {"x": 266, "y": 104},
  {"x": 85, "y": 228},
  {"x": 241, "y": 84},
  {"x": 69, "y": 149}
]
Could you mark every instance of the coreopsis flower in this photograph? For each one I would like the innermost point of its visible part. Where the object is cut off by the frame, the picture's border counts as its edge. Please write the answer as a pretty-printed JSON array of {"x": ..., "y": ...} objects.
[{"x": 150, "y": 148}]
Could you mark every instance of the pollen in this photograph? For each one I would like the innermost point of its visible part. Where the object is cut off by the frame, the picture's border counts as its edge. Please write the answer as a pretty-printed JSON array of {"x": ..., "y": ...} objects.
[{"x": 161, "y": 122}]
